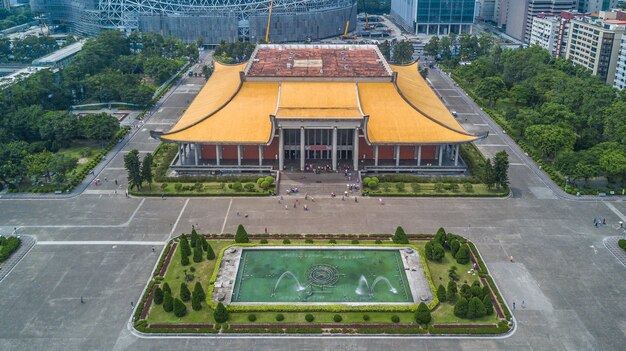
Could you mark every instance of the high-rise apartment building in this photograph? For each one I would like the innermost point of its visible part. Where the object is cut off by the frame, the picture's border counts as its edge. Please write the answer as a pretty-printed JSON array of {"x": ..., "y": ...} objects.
[
  {"x": 595, "y": 44},
  {"x": 520, "y": 13},
  {"x": 552, "y": 32},
  {"x": 486, "y": 9},
  {"x": 435, "y": 17}
]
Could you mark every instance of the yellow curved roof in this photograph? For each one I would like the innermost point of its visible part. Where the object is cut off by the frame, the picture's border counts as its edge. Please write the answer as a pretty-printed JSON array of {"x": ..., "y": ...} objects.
[
  {"x": 216, "y": 92},
  {"x": 415, "y": 89},
  {"x": 393, "y": 121},
  {"x": 223, "y": 114},
  {"x": 245, "y": 119}
]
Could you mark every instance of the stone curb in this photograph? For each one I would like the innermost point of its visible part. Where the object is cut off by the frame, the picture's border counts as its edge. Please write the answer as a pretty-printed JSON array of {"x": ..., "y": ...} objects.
[{"x": 7, "y": 266}]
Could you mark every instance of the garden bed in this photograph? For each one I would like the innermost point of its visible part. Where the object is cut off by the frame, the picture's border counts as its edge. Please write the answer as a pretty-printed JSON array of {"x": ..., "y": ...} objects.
[{"x": 334, "y": 318}]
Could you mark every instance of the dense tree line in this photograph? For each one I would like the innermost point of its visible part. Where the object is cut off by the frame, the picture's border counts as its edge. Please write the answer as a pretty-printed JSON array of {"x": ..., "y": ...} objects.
[
  {"x": 14, "y": 17},
  {"x": 400, "y": 52},
  {"x": 568, "y": 116},
  {"x": 236, "y": 52},
  {"x": 27, "y": 49},
  {"x": 111, "y": 67}
]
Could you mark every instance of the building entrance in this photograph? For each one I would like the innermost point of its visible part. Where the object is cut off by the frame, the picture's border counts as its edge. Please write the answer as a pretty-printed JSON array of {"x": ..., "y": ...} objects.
[{"x": 318, "y": 144}]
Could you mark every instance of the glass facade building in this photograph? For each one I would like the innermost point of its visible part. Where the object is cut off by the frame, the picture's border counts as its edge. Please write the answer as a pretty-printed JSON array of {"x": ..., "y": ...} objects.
[{"x": 435, "y": 17}]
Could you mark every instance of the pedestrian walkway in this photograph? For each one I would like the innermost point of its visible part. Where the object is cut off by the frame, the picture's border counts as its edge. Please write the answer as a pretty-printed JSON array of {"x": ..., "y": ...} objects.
[
  {"x": 7, "y": 266},
  {"x": 317, "y": 185},
  {"x": 611, "y": 244}
]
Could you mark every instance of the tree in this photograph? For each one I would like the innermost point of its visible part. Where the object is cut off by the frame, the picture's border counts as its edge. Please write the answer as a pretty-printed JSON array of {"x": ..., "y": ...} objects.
[
  {"x": 197, "y": 290},
  {"x": 160, "y": 69},
  {"x": 185, "y": 294},
  {"x": 441, "y": 237},
  {"x": 434, "y": 251},
  {"x": 101, "y": 126},
  {"x": 441, "y": 293},
  {"x": 220, "y": 313},
  {"x": 385, "y": 49},
  {"x": 501, "y": 169},
  {"x": 166, "y": 288},
  {"x": 180, "y": 310},
  {"x": 241, "y": 236},
  {"x": 197, "y": 254},
  {"x": 400, "y": 236},
  {"x": 475, "y": 308},
  {"x": 462, "y": 256},
  {"x": 184, "y": 260},
  {"x": 402, "y": 52},
  {"x": 57, "y": 129},
  {"x": 146, "y": 170},
  {"x": 491, "y": 88},
  {"x": 210, "y": 254},
  {"x": 489, "y": 174},
  {"x": 204, "y": 243},
  {"x": 432, "y": 47},
  {"x": 193, "y": 238},
  {"x": 422, "y": 315},
  {"x": 454, "y": 246},
  {"x": 185, "y": 250},
  {"x": 131, "y": 163},
  {"x": 451, "y": 293},
  {"x": 168, "y": 302},
  {"x": 196, "y": 302},
  {"x": 466, "y": 291},
  {"x": 158, "y": 296},
  {"x": 613, "y": 162},
  {"x": 488, "y": 305},
  {"x": 460, "y": 308},
  {"x": 550, "y": 139}
]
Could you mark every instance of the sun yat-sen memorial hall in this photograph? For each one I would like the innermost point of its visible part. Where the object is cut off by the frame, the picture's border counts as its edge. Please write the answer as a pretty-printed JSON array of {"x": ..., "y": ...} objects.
[{"x": 299, "y": 106}]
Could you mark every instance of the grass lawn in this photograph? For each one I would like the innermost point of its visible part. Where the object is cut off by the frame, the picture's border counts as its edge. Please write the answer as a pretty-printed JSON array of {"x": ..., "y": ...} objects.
[
  {"x": 428, "y": 189},
  {"x": 83, "y": 151}
]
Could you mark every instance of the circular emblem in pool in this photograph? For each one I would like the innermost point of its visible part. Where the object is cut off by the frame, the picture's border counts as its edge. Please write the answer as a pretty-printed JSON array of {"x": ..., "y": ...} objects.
[{"x": 322, "y": 275}]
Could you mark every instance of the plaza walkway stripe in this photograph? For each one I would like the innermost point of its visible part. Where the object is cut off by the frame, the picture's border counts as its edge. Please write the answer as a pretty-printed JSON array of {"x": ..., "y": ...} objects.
[
  {"x": 615, "y": 210},
  {"x": 178, "y": 219},
  {"x": 226, "y": 218},
  {"x": 129, "y": 243}
]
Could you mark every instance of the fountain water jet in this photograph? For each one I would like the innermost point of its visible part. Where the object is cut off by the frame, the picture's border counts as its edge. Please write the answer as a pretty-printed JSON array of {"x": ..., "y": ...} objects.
[
  {"x": 300, "y": 287},
  {"x": 379, "y": 279},
  {"x": 360, "y": 290}
]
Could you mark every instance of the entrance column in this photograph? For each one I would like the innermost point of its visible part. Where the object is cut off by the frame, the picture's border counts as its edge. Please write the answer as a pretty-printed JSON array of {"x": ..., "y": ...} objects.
[
  {"x": 196, "y": 151},
  {"x": 239, "y": 155},
  {"x": 419, "y": 155},
  {"x": 334, "y": 149},
  {"x": 375, "y": 155},
  {"x": 440, "y": 155},
  {"x": 456, "y": 155},
  {"x": 260, "y": 155},
  {"x": 281, "y": 149},
  {"x": 355, "y": 149},
  {"x": 218, "y": 153},
  {"x": 302, "y": 153},
  {"x": 397, "y": 155}
]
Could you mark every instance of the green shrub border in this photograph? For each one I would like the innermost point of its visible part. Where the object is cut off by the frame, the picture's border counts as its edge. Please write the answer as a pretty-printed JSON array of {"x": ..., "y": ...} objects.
[
  {"x": 503, "y": 327},
  {"x": 11, "y": 245}
]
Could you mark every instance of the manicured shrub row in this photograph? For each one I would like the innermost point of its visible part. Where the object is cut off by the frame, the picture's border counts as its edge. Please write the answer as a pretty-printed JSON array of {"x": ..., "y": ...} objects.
[
  {"x": 394, "y": 178},
  {"x": 142, "y": 302},
  {"x": 503, "y": 193},
  {"x": 8, "y": 246},
  {"x": 275, "y": 330},
  {"x": 160, "y": 269},
  {"x": 622, "y": 243},
  {"x": 492, "y": 284},
  {"x": 321, "y": 308},
  {"x": 500, "y": 329},
  {"x": 482, "y": 268},
  {"x": 323, "y": 326}
]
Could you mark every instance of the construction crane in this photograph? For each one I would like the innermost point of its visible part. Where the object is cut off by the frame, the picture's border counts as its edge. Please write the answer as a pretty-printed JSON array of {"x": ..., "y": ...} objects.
[
  {"x": 269, "y": 21},
  {"x": 345, "y": 32}
]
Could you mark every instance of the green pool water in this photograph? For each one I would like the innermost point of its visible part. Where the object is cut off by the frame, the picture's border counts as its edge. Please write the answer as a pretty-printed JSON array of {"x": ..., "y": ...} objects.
[{"x": 321, "y": 275}]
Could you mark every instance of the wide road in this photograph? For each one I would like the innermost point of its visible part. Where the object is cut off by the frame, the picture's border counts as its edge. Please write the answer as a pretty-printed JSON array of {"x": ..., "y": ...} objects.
[{"x": 99, "y": 246}]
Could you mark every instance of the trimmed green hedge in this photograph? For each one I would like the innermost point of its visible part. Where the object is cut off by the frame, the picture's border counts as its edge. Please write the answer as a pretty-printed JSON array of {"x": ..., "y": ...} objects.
[
  {"x": 482, "y": 272},
  {"x": 622, "y": 243},
  {"x": 8, "y": 246}
]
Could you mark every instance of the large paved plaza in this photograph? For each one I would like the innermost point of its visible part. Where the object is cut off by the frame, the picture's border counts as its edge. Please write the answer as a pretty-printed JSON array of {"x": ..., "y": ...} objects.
[{"x": 99, "y": 245}]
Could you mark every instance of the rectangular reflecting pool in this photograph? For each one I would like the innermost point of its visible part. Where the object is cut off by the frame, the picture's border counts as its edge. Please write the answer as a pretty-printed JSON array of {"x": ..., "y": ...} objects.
[{"x": 321, "y": 275}]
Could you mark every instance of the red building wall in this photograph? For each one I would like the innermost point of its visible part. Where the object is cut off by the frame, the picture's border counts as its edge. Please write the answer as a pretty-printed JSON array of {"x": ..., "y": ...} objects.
[
  {"x": 385, "y": 152},
  {"x": 429, "y": 152},
  {"x": 207, "y": 152},
  {"x": 368, "y": 150},
  {"x": 407, "y": 152},
  {"x": 250, "y": 152},
  {"x": 229, "y": 152},
  {"x": 270, "y": 151}
]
